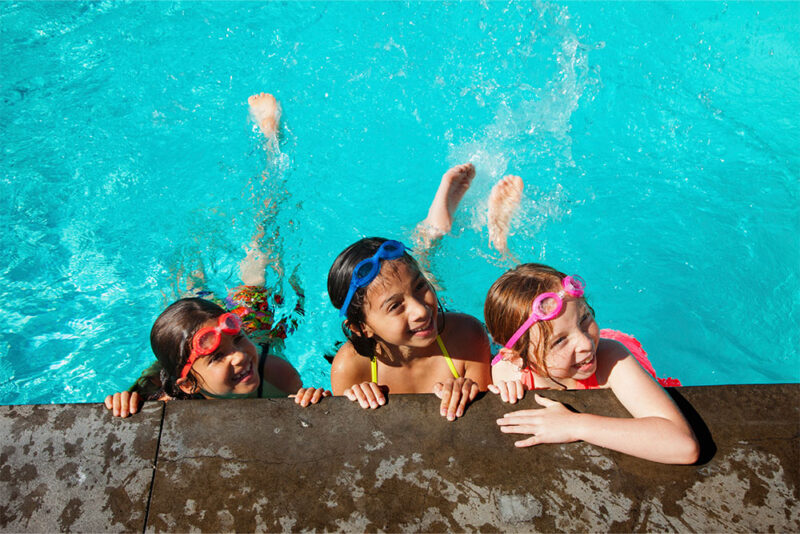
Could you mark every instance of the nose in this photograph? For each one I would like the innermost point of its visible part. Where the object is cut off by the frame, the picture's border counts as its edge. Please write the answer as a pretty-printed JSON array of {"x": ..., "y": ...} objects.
[
  {"x": 584, "y": 343},
  {"x": 417, "y": 310},
  {"x": 237, "y": 357}
]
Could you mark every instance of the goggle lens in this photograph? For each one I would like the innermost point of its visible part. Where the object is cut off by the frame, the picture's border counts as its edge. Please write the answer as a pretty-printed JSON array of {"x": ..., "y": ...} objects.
[
  {"x": 364, "y": 269},
  {"x": 546, "y": 306},
  {"x": 574, "y": 285},
  {"x": 206, "y": 342},
  {"x": 230, "y": 324}
]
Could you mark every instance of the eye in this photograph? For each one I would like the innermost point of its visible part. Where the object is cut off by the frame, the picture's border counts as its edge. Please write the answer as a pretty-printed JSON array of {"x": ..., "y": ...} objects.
[
  {"x": 215, "y": 357},
  {"x": 586, "y": 317},
  {"x": 421, "y": 284},
  {"x": 558, "y": 341}
]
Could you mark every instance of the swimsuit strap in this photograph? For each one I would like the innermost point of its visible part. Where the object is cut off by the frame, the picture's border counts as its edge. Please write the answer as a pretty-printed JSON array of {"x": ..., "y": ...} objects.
[
  {"x": 374, "y": 362},
  {"x": 447, "y": 357},
  {"x": 261, "y": 360}
]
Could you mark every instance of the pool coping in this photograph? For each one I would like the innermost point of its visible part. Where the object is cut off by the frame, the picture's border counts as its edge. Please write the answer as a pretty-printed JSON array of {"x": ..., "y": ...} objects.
[{"x": 268, "y": 465}]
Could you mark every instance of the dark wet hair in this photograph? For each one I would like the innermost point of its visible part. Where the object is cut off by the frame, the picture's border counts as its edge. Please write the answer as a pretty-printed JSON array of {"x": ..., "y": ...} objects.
[
  {"x": 339, "y": 278},
  {"x": 171, "y": 337}
]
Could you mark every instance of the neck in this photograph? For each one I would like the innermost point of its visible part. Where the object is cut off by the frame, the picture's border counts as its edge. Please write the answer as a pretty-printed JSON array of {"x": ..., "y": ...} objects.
[
  {"x": 399, "y": 355},
  {"x": 547, "y": 382}
]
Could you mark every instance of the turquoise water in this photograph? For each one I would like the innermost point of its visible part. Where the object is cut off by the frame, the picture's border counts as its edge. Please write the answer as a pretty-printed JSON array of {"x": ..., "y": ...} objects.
[{"x": 658, "y": 144}]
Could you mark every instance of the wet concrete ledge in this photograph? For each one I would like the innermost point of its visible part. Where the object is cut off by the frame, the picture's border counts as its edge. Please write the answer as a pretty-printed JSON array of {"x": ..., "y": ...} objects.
[{"x": 266, "y": 465}]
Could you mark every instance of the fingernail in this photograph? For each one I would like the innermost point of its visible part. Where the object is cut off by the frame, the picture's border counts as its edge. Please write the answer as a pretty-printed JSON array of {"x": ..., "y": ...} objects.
[{"x": 381, "y": 401}]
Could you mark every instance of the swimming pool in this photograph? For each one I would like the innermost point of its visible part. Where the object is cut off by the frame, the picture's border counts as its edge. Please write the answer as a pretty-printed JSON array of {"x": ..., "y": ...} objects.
[{"x": 658, "y": 143}]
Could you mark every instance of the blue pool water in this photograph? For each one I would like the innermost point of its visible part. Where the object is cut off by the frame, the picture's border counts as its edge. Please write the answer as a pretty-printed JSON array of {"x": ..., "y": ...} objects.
[{"x": 658, "y": 144}]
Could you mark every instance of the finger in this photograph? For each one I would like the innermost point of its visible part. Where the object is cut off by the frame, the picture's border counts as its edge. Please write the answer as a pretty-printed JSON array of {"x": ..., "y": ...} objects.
[
  {"x": 444, "y": 394},
  {"x": 116, "y": 402},
  {"x": 134, "y": 404},
  {"x": 528, "y": 422},
  {"x": 317, "y": 396},
  {"x": 377, "y": 392},
  {"x": 467, "y": 395},
  {"x": 360, "y": 396},
  {"x": 504, "y": 391},
  {"x": 518, "y": 429},
  {"x": 350, "y": 394},
  {"x": 438, "y": 387},
  {"x": 494, "y": 389},
  {"x": 533, "y": 440},
  {"x": 520, "y": 413},
  {"x": 452, "y": 408},
  {"x": 520, "y": 389},
  {"x": 326, "y": 393},
  {"x": 124, "y": 403},
  {"x": 303, "y": 396},
  {"x": 544, "y": 401},
  {"x": 109, "y": 402},
  {"x": 369, "y": 392}
]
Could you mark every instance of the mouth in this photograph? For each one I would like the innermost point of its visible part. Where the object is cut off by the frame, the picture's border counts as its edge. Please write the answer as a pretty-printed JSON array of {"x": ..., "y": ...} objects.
[
  {"x": 586, "y": 364},
  {"x": 425, "y": 330},
  {"x": 243, "y": 375}
]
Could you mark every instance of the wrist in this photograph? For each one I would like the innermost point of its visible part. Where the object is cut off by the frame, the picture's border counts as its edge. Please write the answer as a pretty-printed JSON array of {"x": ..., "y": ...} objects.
[{"x": 580, "y": 426}]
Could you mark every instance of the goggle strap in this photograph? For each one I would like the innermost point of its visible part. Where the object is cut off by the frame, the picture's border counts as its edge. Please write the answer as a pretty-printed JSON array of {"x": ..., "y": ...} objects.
[
  {"x": 532, "y": 320},
  {"x": 347, "y": 299}
]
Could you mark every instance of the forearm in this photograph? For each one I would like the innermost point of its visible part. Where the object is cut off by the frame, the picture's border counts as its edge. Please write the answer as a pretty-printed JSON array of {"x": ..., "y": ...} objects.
[{"x": 652, "y": 438}]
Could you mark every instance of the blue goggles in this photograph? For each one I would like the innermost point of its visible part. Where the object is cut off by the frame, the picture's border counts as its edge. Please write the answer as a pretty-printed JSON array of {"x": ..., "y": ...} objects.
[{"x": 366, "y": 270}]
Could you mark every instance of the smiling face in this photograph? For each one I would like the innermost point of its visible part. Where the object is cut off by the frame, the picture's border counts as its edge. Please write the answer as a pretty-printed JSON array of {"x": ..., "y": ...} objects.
[
  {"x": 230, "y": 371},
  {"x": 401, "y": 307},
  {"x": 570, "y": 351}
]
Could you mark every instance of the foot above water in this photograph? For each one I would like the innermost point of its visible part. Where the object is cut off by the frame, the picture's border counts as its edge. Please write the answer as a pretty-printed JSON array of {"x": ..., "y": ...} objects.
[{"x": 503, "y": 201}]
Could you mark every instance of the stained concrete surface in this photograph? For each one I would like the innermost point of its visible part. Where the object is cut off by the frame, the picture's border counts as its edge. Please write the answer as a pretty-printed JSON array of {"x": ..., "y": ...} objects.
[
  {"x": 69, "y": 468},
  {"x": 268, "y": 465}
]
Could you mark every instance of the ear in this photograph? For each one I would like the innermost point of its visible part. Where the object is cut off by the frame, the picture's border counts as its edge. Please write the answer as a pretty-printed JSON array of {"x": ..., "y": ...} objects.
[
  {"x": 360, "y": 329},
  {"x": 185, "y": 385},
  {"x": 511, "y": 356}
]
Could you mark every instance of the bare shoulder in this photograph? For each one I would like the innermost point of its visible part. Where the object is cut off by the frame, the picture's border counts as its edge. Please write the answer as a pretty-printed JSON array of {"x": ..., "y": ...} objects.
[
  {"x": 348, "y": 368},
  {"x": 465, "y": 327},
  {"x": 467, "y": 340},
  {"x": 281, "y": 374},
  {"x": 613, "y": 357}
]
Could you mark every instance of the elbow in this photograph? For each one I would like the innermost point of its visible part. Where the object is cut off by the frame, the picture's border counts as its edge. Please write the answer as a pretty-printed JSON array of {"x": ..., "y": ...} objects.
[{"x": 688, "y": 452}]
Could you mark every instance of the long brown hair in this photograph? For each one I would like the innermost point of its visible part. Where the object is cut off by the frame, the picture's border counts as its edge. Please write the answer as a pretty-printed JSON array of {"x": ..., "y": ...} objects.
[{"x": 508, "y": 306}]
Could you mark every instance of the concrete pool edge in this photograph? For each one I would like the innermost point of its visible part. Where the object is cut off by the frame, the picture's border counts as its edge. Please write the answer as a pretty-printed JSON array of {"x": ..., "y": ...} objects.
[{"x": 267, "y": 465}]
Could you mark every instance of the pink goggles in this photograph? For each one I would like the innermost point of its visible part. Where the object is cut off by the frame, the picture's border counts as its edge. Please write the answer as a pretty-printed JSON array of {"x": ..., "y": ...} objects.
[
  {"x": 547, "y": 306},
  {"x": 207, "y": 340}
]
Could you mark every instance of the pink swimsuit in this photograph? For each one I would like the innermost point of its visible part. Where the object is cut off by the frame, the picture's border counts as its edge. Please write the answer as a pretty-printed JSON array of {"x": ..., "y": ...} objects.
[{"x": 635, "y": 348}]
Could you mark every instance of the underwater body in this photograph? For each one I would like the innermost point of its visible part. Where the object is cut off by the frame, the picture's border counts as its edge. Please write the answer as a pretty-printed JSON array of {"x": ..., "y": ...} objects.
[{"x": 657, "y": 142}]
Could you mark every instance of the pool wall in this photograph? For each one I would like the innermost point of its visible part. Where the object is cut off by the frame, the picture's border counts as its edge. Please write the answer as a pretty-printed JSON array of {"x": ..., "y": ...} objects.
[{"x": 189, "y": 466}]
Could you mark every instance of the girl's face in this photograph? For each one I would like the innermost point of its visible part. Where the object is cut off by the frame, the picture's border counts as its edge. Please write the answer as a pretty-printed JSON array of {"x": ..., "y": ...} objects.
[
  {"x": 572, "y": 348},
  {"x": 400, "y": 307},
  {"x": 231, "y": 370}
]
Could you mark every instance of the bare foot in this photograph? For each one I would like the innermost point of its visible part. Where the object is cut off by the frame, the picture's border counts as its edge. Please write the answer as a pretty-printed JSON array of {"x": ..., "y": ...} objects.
[
  {"x": 503, "y": 201},
  {"x": 454, "y": 184},
  {"x": 266, "y": 111}
]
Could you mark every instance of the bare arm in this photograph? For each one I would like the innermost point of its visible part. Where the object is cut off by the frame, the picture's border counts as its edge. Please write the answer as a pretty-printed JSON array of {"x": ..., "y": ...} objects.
[
  {"x": 282, "y": 374},
  {"x": 657, "y": 432}
]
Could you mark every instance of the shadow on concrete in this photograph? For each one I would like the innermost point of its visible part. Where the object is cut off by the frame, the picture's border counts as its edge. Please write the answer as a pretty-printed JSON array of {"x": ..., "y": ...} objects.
[{"x": 707, "y": 446}]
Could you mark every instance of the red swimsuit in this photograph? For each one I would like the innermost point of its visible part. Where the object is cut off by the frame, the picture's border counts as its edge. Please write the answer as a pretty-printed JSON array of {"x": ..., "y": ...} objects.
[{"x": 635, "y": 348}]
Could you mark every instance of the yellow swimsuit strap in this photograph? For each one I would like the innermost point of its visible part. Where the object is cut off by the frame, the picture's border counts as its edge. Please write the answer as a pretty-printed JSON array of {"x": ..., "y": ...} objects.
[
  {"x": 447, "y": 357},
  {"x": 450, "y": 364}
]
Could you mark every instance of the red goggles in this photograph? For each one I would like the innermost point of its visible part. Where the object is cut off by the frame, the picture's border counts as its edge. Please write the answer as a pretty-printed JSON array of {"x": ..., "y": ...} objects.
[{"x": 207, "y": 340}]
